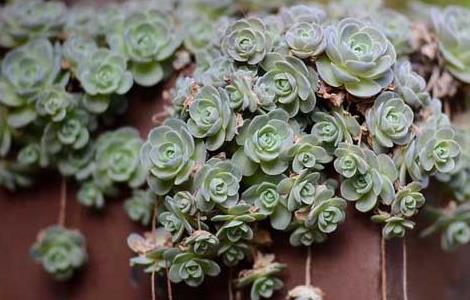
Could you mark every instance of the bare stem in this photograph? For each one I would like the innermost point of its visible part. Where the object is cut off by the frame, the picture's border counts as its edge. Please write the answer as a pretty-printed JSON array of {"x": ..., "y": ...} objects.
[
  {"x": 308, "y": 267},
  {"x": 405, "y": 270},
  {"x": 383, "y": 267},
  {"x": 63, "y": 202}
]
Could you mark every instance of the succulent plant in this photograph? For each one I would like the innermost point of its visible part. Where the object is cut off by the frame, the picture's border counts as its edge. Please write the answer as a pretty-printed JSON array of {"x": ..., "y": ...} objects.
[
  {"x": 78, "y": 48},
  {"x": 105, "y": 72},
  {"x": 389, "y": 121},
  {"x": 53, "y": 103},
  {"x": 408, "y": 200},
  {"x": 202, "y": 243},
  {"x": 264, "y": 196},
  {"x": 303, "y": 13},
  {"x": 210, "y": 117},
  {"x": 198, "y": 34},
  {"x": 117, "y": 158},
  {"x": 300, "y": 189},
  {"x": 61, "y": 251},
  {"x": 139, "y": 207},
  {"x": 327, "y": 212},
  {"x": 30, "y": 155},
  {"x": 397, "y": 28},
  {"x": 217, "y": 183},
  {"x": 153, "y": 250},
  {"x": 307, "y": 154},
  {"x": 82, "y": 20},
  {"x": 90, "y": 195},
  {"x": 305, "y": 39},
  {"x": 456, "y": 234},
  {"x": 185, "y": 202},
  {"x": 26, "y": 71},
  {"x": 232, "y": 254},
  {"x": 410, "y": 85},
  {"x": 438, "y": 150},
  {"x": 365, "y": 189},
  {"x": 263, "y": 141},
  {"x": 80, "y": 163},
  {"x": 333, "y": 128},
  {"x": 170, "y": 154},
  {"x": 240, "y": 92},
  {"x": 247, "y": 41},
  {"x": 72, "y": 132},
  {"x": 358, "y": 57},
  {"x": 236, "y": 223},
  {"x": 451, "y": 26},
  {"x": 305, "y": 292},
  {"x": 25, "y": 20},
  {"x": 192, "y": 269},
  {"x": 262, "y": 277},
  {"x": 147, "y": 38},
  {"x": 288, "y": 83},
  {"x": 396, "y": 227},
  {"x": 350, "y": 160}
]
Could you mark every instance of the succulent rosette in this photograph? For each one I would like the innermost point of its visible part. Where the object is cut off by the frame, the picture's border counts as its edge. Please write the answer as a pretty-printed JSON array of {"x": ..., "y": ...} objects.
[
  {"x": 410, "y": 85},
  {"x": 358, "y": 57},
  {"x": 104, "y": 73},
  {"x": 185, "y": 202},
  {"x": 192, "y": 269},
  {"x": 303, "y": 13},
  {"x": 82, "y": 20},
  {"x": 140, "y": 206},
  {"x": 210, "y": 117},
  {"x": 25, "y": 20},
  {"x": 262, "y": 277},
  {"x": 232, "y": 254},
  {"x": 408, "y": 200},
  {"x": 30, "y": 155},
  {"x": 53, "y": 103},
  {"x": 78, "y": 48},
  {"x": 60, "y": 251},
  {"x": 305, "y": 39},
  {"x": 397, "y": 28},
  {"x": 199, "y": 34},
  {"x": 247, "y": 41},
  {"x": 327, "y": 212},
  {"x": 305, "y": 292},
  {"x": 202, "y": 243},
  {"x": 263, "y": 141},
  {"x": 350, "y": 160},
  {"x": 264, "y": 196},
  {"x": 300, "y": 189},
  {"x": 330, "y": 129},
  {"x": 240, "y": 92},
  {"x": 117, "y": 158},
  {"x": 365, "y": 189},
  {"x": 170, "y": 154},
  {"x": 303, "y": 236},
  {"x": 236, "y": 226},
  {"x": 147, "y": 38},
  {"x": 456, "y": 234},
  {"x": 396, "y": 227},
  {"x": 79, "y": 164},
  {"x": 288, "y": 83},
  {"x": 389, "y": 121},
  {"x": 452, "y": 27},
  {"x": 153, "y": 250},
  {"x": 438, "y": 150},
  {"x": 306, "y": 153},
  {"x": 217, "y": 183},
  {"x": 72, "y": 132},
  {"x": 90, "y": 195},
  {"x": 26, "y": 71}
]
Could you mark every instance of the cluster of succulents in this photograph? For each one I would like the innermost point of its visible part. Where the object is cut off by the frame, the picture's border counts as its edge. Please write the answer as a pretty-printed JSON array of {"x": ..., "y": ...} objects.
[{"x": 287, "y": 117}]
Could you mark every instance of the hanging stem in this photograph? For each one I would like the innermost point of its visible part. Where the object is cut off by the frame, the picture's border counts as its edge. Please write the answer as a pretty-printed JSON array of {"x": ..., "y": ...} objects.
[
  {"x": 63, "y": 202},
  {"x": 308, "y": 267},
  {"x": 154, "y": 296},
  {"x": 383, "y": 267},
  {"x": 168, "y": 283},
  {"x": 405, "y": 270},
  {"x": 230, "y": 288}
]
